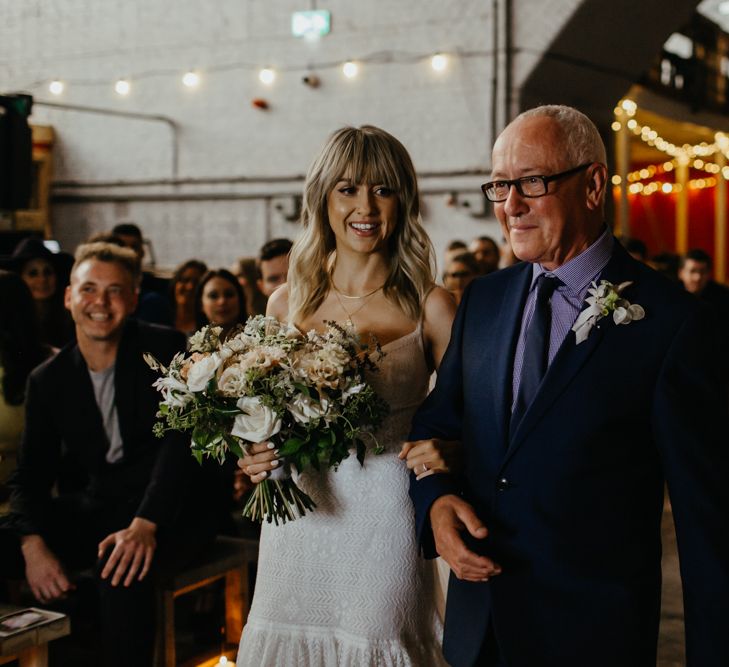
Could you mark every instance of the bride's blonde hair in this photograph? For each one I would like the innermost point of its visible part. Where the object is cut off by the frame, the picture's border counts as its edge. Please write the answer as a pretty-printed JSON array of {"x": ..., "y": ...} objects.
[{"x": 364, "y": 155}]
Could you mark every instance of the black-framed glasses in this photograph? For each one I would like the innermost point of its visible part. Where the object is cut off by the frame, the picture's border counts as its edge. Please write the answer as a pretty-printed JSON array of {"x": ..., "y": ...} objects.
[{"x": 527, "y": 186}]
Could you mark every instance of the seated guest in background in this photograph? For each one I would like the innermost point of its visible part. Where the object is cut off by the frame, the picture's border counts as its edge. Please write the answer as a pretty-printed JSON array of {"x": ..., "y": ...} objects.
[
  {"x": 454, "y": 248},
  {"x": 273, "y": 265},
  {"x": 246, "y": 270},
  {"x": 182, "y": 290},
  {"x": 219, "y": 300},
  {"x": 486, "y": 252},
  {"x": 147, "y": 506},
  {"x": 39, "y": 268},
  {"x": 153, "y": 303},
  {"x": 21, "y": 350},
  {"x": 695, "y": 273},
  {"x": 459, "y": 273}
]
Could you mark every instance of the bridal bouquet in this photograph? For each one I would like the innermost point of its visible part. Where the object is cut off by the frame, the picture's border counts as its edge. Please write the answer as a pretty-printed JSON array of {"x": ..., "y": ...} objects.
[{"x": 305, "y": 393}]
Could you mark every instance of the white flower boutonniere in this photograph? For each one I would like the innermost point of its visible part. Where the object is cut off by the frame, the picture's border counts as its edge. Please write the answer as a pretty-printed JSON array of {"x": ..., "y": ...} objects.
[{"x": 603, "y": 300}]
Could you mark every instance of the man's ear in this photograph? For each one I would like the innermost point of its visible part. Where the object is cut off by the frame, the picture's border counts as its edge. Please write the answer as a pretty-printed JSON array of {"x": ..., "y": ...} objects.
[
  {"x": 67, "y": 297},
  {"x": 597, "y": 178}
]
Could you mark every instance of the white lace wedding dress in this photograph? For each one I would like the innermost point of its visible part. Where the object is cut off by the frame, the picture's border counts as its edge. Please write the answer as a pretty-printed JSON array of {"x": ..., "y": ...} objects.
[{"x": 344, "y": 586}]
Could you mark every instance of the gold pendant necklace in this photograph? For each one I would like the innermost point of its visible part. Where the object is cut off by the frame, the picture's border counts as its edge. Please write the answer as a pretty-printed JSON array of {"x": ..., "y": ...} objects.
[{"x": 350, "y": 315}]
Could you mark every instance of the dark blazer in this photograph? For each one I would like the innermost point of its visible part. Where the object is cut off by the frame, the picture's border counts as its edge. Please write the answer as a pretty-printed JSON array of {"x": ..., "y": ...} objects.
[
  {"x": 573, "y": 498},
  {"x": 63, "y": 422}
]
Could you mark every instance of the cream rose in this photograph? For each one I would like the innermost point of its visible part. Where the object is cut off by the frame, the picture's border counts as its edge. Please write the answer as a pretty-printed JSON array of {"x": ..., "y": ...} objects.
[
  {"x": 202, "y": 371},
  {"x": 232, "y": 381},
  {"x": 305, "y": 409},
  {"x": 257, "y": 422}
]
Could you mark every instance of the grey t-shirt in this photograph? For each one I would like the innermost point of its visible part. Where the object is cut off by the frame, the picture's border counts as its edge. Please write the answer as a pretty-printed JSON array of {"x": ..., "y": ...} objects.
[{"x": 103, "y": 382}]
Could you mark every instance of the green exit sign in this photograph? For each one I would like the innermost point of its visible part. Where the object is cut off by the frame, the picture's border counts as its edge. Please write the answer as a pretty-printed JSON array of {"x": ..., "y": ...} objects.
[{"x": 315, "y": 23}]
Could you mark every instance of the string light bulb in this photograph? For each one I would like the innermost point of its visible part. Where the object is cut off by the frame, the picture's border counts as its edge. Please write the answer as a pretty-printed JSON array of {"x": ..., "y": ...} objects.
[
  {"x": 191, "y": 79},
  {"x": 350, "y": 69},
  {"x": 267, "y": 76},
  {"x": 56, "y": 87},
  {"x": 122, "y": 87},
  {"x": 439, "y": 62}
]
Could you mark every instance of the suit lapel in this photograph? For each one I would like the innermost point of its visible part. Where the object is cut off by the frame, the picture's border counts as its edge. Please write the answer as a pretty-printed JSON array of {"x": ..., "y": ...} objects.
[
  {"x": 570, "y": 357},
  {"x": 510, "y": 314}
]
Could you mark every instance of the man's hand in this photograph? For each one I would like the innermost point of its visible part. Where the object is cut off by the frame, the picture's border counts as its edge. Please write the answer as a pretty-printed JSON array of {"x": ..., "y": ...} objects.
[
  {"x": 449, "y": 516},
  {"x": 133, "y": 548},
  {"x": 43, "y": 571}
]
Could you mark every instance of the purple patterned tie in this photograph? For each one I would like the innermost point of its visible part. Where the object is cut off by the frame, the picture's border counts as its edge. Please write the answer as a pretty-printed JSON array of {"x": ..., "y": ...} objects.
[{"x": 536, "y": 348}]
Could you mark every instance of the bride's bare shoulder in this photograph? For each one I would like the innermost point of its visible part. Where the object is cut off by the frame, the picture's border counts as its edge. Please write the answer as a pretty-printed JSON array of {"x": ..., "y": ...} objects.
[
  {"x": 278, "y": 303},
  {"x": 439, "y": 307}
]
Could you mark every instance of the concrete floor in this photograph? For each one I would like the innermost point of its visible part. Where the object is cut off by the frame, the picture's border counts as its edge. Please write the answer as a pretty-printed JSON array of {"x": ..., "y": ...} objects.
[{"x": 671, "y": 651}]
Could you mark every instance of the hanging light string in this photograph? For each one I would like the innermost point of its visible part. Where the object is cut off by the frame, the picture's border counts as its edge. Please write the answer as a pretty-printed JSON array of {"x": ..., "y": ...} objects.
[
  {"x": 438, "y": 62},
  {"x": 692, "y": 155}
]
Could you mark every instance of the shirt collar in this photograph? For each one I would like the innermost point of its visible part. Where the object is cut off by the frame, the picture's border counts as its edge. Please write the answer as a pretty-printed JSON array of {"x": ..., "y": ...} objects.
[{"x": 580, "y": 271}]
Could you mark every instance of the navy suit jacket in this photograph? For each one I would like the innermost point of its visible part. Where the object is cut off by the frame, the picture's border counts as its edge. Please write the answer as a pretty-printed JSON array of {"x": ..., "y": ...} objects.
[
  {"x": 63, "y": 422},
  {"x": 573, "y": 499}
]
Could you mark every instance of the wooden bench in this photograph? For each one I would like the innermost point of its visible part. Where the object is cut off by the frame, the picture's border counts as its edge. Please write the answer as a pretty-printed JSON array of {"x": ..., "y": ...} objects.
[{"x": 229, "y": 558}]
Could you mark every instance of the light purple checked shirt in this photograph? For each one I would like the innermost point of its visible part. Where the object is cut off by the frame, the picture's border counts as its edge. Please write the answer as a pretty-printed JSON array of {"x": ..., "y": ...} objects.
[{"x": 567, "y": 301}]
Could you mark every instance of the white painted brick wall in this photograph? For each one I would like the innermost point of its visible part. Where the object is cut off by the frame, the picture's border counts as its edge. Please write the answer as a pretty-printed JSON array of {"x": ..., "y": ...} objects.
[{"x": 443, "y": 119}]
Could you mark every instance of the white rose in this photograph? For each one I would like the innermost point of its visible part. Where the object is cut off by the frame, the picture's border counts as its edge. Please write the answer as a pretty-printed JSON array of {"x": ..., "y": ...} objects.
[
  {"x": 257, "y": 423},
  {"x": 305, "y": 409},
  {"x": 201, "y": 372}
]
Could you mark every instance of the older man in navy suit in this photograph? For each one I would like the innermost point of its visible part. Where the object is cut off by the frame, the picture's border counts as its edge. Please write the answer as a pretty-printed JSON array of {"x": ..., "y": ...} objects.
[{"x": 579, "y": 382}]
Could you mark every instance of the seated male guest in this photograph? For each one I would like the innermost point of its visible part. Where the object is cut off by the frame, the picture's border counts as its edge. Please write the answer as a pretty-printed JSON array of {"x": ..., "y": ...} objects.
[{"x": 147, "y": 506}]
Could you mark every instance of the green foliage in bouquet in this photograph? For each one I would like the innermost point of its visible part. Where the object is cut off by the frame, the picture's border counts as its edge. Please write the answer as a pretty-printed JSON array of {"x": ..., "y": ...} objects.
[{"x": 306, "y": 393}]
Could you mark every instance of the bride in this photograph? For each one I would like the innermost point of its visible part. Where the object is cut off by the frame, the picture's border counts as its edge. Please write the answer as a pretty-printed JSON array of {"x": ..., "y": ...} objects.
[{"x": 344, "y": 585}]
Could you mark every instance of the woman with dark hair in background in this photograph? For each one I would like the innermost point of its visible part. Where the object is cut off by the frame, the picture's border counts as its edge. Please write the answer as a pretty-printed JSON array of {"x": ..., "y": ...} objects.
[
  {"x": 184, "y": 282},
  {"x": 219, "y": 300},
  {"x": 39, "y": 269},
  {"x": 20, "y": 351}
]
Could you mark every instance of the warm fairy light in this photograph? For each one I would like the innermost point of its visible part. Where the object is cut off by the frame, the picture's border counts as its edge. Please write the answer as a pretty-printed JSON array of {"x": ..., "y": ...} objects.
[
  {"x": 191, "y": 79},
  {"x": 629, "y": 106},
  {"x": 122, "y": 87},
  {"x": 667, "y": 188},
  {"x": 267, "y": 76},
  {"x": 439, "y": 62},
  {"x": 632, "y": 124},
  {"x": 616, "y": 180},
  {"x": 350, "y": 69},
  {"x": 616, "y": 126},
  {"x": 668, "y": 166}
]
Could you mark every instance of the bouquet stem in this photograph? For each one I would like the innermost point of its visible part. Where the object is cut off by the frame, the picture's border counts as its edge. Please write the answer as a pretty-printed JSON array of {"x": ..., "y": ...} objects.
[{"x": 277, "y": 499}]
